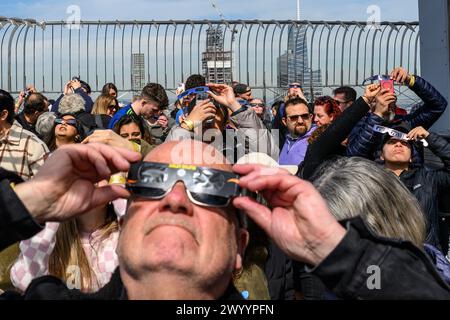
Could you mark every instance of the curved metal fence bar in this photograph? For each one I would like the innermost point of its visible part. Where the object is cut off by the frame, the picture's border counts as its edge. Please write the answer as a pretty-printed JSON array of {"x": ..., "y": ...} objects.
[{"x": 266, "y": 54}]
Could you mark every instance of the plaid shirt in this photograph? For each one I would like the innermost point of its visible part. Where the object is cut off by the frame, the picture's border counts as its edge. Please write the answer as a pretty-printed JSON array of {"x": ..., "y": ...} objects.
[
  {"x": 35, "y": 254},
  {"x": 22, "y": 152}
]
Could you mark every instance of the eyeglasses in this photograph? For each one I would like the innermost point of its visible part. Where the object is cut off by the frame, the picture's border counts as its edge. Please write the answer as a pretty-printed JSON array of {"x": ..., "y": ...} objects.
[
  {"x": 70, "y": 122},
  {"x": 291, "y": 86},
  {"x": 294, "y": 118},
  {"x": 204, "y": 186},
  {"x": 257, "y": 105}
]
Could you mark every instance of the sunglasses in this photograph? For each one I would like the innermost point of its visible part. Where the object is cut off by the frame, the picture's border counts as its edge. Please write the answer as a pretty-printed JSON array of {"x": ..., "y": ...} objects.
[
  {"x": 70, "y": 122},
  {"x": 204, "y": 186},
  {"x": 305, "y": 117},
  {"x": 113, "y": 107},
  {"x": 295, "y": 86},
  {"x": 396, "y": 134},
  {"x": 257, "y": 105}
]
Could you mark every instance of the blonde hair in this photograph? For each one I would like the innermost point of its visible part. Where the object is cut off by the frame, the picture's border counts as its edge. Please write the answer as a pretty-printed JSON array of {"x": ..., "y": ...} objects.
[
  {"x": 358, "y": 187},
  {"x": 69, "y": 251},
  {"x": 102, "y": 103}
]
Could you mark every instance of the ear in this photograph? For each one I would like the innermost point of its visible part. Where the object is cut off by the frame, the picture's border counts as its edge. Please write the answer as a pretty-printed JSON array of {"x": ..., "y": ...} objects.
[
  {"x": 243, "y": 240},
  {"x": 381, "y": 156},
  {"x": 284, "y": 121},
  {"x": 4, "y": 115}
]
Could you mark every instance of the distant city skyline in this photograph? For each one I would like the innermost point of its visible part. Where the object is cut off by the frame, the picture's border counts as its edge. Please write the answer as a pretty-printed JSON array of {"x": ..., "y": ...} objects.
[{"x": 399, "y": 10}]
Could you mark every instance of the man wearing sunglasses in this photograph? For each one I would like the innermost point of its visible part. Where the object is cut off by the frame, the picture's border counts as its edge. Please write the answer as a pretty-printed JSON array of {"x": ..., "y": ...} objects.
[
  {"x": 181, "y": 233},
  {"x": 298, "y": 121}
]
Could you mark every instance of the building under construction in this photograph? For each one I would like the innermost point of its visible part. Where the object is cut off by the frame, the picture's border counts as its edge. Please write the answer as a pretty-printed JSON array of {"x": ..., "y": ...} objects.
[{"x": 216, "y": 62}]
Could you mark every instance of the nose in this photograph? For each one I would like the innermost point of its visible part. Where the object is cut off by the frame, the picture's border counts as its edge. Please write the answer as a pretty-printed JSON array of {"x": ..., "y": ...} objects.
[{"x": 177, "y": 201}]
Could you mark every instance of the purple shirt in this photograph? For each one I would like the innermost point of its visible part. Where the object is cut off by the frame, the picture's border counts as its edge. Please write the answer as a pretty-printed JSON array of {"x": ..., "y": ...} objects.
[{"x": 294, "y": 150}]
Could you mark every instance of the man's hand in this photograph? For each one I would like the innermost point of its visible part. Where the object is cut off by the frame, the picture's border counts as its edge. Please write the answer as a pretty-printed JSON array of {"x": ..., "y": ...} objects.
[
  {"x": 418, "y": 133},
  {"x": 110, "y": 138},
  {"x": 202, "y": 111},
  {"x": 224, "y": 95},
  {"x": 383, "y": 100},
  {"x": 400, "y": 75},
  {"x": 64, "y": 186},
  {"x": 298, "y": 219}
]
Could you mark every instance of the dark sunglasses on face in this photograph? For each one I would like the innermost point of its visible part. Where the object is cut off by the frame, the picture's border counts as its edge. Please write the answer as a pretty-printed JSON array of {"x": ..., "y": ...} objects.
[
  {"x": 70, "y": 122},
  {"x": 291, "y": 86},
  {"x": 113, "y": 107},
  {"x": 305, "y": 117},
  {"x": 257, "y": 105},
  {"x": 204, "y": 186}
]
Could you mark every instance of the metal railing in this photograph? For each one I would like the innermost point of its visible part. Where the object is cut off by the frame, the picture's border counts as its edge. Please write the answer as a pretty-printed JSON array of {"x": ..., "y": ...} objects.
[{"x": 48, "y": 54}]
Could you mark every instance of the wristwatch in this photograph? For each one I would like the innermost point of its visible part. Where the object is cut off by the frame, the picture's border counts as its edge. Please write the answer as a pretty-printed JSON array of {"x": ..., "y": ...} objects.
[{"x": 189, "y": 124}]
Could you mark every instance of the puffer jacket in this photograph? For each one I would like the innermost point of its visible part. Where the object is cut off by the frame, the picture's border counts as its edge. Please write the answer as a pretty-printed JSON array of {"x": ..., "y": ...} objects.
[
  {"x": 364, "y": 142},
  {"x": 427, "y": 185}
]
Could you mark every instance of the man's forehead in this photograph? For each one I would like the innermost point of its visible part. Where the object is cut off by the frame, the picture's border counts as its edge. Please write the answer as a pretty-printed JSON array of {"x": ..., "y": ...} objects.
[
  {"x": 189, "y": 152},
  {"x": 296, "y": 107}
]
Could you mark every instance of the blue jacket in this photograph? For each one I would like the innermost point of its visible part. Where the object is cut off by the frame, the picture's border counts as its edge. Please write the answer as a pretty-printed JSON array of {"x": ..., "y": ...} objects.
[
  {"x": 88, "y": 103},
  {"x": 364, "y": 142},
  {"x": 119, "y": 114}
]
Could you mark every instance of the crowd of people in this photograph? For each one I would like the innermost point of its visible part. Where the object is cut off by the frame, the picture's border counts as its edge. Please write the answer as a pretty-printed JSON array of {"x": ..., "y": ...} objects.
[{"x": 220, "y": 196}]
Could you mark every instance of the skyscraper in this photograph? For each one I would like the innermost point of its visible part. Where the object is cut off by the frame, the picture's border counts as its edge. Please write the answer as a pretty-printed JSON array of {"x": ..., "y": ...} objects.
[
  {"x": 137, "y": 72},
  {"x": 293, "y": 65},
  {"x": 216, "y": 62}
]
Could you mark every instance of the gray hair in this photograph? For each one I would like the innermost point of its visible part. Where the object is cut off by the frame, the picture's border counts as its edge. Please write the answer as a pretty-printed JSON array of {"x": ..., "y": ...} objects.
[
  {"x": 45, "y": 124},
  {"x": 71, "y": 103},
  {"x": 356, "y": 186}
]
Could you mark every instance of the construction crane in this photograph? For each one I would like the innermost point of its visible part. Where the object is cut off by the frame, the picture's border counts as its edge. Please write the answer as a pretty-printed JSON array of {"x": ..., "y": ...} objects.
[{"x": 216, "y": 7}]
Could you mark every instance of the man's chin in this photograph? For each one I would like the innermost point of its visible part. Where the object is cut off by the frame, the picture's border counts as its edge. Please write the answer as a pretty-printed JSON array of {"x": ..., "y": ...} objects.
[{"x": 301, "y": 132}]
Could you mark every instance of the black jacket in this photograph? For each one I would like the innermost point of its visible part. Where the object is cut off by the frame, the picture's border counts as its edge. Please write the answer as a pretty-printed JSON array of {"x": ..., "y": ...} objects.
[
  {"x": 15, "y": 222},
  {"x": 427, "y": 185},
  {"x": 52, "y": 288},
  {"x": 405, "y": 271},
  {"x": 279, "y": 273},
  {"x": 328, "y": 144}
]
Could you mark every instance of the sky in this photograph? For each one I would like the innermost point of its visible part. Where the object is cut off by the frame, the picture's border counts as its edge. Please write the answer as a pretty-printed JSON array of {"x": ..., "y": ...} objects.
[{"x": 398, "y": 10}]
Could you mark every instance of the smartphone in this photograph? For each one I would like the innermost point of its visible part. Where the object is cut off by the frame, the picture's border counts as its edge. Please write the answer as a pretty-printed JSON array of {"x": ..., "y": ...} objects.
[
  {"x": 387, "y": 84},
  {"x": 201, "y": 97}
]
